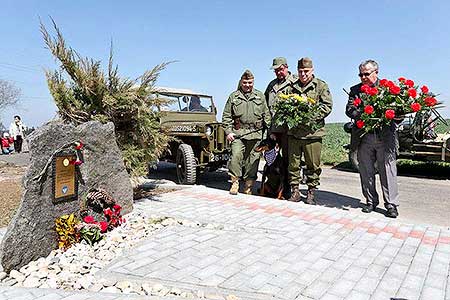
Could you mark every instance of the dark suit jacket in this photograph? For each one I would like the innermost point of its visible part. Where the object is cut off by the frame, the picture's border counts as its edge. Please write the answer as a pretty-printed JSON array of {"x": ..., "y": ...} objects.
[{"x": 388, "y": 133}]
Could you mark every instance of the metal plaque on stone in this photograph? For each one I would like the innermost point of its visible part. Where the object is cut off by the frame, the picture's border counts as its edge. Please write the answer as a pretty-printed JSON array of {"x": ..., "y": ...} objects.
[{"x": 65, "y": 184}]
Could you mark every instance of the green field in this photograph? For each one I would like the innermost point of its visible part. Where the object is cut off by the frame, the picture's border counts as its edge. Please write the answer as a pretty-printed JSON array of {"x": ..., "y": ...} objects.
[{"x": 333, "y": 152}]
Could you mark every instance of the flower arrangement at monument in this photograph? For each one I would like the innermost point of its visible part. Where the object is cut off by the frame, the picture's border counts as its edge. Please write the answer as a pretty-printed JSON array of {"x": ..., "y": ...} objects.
[
  {"x": 70, "y": 230},
  {"x": 294, "y": 110},
  {"x": 382, "y": 104},
  {"x": 66, "y": 230}
]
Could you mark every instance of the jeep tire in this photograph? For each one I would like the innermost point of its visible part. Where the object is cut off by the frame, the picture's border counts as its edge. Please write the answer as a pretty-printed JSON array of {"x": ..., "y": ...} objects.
[{"x": 186, "y": 165}]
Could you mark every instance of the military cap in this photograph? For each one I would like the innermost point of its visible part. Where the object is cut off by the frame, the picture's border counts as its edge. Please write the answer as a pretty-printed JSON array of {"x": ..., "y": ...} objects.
[
  {"x": 304, "y": 62},
  {"x": 247, "y": 75},
  {"x": 278, "y": 62}
]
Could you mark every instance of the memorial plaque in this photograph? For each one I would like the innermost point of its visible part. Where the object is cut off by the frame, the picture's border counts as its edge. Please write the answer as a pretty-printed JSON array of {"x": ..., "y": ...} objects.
[{"x": 65, "y": 184}]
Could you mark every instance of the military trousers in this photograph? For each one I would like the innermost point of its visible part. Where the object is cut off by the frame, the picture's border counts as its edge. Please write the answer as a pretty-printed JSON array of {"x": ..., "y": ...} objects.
[
  {"x": 374, "y": 149},
  {"x": 244, "y": 159},
  {"x": 311, "y": 149}
]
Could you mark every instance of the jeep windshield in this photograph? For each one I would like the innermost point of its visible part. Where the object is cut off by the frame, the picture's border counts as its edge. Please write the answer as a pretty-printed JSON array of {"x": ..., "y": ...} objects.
[{"x": 181, "y": 100}]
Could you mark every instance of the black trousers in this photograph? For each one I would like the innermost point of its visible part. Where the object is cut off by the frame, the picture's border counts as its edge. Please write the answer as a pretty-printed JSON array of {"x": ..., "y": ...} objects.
[{"x": 18, "y": 143}]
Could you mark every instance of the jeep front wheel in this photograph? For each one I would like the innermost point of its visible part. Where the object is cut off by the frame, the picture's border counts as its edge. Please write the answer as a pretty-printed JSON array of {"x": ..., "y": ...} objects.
[{"x": 186, "y": 165}]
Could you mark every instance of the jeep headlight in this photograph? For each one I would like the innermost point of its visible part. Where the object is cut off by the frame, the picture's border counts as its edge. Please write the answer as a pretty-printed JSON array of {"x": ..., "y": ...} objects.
[{"x": 208, "y": 130}]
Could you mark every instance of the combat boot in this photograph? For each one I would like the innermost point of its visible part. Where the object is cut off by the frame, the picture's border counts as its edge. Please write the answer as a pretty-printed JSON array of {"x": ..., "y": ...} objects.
[
  {"x": 296, "y": 196},
  {"x": 234, "y": 185},
  {"x": 310, "y": 197},
  {"x": 249, "y": 187}
]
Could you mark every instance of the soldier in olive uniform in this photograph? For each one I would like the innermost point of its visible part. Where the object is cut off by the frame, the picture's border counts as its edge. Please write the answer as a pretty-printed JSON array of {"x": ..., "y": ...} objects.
[
  {"x": 302, "y": 139},
  {"x": 280, "y": 85},
  {"x": 244, "y": 117}
]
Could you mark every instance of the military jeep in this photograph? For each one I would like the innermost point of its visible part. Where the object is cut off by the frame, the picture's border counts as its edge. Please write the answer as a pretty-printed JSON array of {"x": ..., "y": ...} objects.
[
  {"x": 417, "y": 138},
  {"x": 199, "y": 140}
]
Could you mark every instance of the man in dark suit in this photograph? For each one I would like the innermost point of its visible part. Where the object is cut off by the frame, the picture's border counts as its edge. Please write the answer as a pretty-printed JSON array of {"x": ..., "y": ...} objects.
[{"x": 378, "y": 146}]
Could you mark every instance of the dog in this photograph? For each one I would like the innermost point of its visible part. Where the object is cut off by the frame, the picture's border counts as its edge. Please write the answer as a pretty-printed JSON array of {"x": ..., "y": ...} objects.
[{"x": 272, "y": 184}]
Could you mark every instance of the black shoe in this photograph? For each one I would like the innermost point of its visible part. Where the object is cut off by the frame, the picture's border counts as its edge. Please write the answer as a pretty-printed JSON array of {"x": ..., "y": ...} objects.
[
  {"x": 310, "y": 198},
  {"x": 392, "y": 212},
  {"x": 368, "y": 209}
]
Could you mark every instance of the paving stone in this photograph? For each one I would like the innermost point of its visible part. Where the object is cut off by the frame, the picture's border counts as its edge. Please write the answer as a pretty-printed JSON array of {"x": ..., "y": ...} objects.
[
  {"x": 330, "y": 297},
  {"x": 389, "y": 284},
  {"x": 317, "y": 289},
  {"x": 330, "y": 275},
  {"x": 432, "y": 293},
  {"x": 292, "y": 291},
  {"x": 397, "y": 271},
  {"x": 353, "y": 273},
  {"x": 408, "y": 293},
  {"x": 436, "y": 281},
  {"x": 307, "y": 277},
  {"x": 382, "y": 295},
  {"x": 412, "y": 281},
  {"x": 342, "y": 287},
  {"x": 355, "y": 295},
  {"x": 366, "y": 285}
]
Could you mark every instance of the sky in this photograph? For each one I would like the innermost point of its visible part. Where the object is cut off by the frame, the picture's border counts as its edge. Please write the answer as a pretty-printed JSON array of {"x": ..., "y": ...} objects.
[{"x": 213, "y": 42}]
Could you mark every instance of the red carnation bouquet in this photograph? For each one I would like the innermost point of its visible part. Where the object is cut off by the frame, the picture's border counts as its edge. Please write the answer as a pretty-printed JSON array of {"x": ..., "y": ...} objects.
[{"x": 381, "y": 104}]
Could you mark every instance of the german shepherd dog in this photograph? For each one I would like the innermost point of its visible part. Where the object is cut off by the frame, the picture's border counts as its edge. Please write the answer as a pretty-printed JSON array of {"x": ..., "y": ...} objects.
[{"x": 272, "y": 184}]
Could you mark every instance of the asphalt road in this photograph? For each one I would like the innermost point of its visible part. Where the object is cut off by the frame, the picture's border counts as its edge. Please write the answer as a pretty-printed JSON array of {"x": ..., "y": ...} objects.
[{"x": 422, "y": 200}]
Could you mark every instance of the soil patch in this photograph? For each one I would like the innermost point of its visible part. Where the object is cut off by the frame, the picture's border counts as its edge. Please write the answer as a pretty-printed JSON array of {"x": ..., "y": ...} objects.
[{"x": 10, "y": 190}]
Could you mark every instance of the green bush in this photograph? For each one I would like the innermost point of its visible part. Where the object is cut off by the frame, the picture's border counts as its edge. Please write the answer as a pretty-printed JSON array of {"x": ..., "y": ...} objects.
[
  {"x": 333, "y": 152},
  {"x": 83, "y": 92}
]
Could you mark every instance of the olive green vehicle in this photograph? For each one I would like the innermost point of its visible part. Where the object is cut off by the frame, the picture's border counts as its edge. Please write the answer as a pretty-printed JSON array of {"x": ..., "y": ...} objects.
[
  {"x": 199, "y": 140},
  {"x": 417, "y": 138}
]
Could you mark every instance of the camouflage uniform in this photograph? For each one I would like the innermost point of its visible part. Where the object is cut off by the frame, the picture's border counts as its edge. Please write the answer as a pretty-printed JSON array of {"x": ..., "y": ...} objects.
[
  {"x": 302, "y": 140},
  {"x": 245, "y": 115}
]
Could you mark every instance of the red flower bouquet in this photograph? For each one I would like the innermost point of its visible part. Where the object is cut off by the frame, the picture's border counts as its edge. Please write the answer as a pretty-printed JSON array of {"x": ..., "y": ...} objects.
[{"x": 381, "y": 104}]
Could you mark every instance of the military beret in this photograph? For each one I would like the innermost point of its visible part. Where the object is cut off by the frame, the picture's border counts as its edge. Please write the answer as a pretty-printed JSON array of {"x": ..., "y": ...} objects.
[{"x": 304, "y": 62}]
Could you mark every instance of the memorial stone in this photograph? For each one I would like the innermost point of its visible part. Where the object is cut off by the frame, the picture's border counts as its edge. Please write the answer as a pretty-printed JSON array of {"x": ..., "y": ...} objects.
[{"x": 31, "y": 233}]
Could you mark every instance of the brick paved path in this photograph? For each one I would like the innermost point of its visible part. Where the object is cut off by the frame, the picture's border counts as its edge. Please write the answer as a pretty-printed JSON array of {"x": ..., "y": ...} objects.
[
  {"x": 11, "y": 293},
  {"x": 271, "y": 248},
  {"x": 262, "y": 248}
]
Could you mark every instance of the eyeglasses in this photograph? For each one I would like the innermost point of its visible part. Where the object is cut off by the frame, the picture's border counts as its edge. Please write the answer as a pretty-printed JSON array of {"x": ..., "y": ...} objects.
[
  {"x": 366, "y": 74},
  {"x": 303, "y": 71}
]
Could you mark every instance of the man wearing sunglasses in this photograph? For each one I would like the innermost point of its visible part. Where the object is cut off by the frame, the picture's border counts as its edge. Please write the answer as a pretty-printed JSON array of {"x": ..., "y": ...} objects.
[
  {"x": 377, "y": 147},
  {"x": 284, "y": 79},
  {"x": 302, "y": 140}
]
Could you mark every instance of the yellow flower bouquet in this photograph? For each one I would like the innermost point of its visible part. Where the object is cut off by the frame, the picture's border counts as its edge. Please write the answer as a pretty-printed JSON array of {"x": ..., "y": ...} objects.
[{"x": 295, "y": 110}]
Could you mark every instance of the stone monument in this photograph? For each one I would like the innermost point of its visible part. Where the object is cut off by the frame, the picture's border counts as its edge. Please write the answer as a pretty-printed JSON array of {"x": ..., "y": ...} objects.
[{"x": 50, "y": 192}]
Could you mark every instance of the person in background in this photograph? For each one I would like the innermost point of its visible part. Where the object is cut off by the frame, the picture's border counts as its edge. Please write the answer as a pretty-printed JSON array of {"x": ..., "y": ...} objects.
[
  {"x": 5, "y": 143},
  {"x": 16, "y": 130}
]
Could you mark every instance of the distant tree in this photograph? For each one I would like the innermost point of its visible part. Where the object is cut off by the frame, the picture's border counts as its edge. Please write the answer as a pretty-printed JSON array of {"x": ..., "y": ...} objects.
[
  {"x": 9, "y": 94},
  {"x": 82, "y": 92}
]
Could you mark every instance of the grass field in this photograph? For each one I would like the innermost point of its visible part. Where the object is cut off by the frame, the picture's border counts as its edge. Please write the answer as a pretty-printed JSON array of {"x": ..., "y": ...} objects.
[{"x": 333, "y": 152}]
